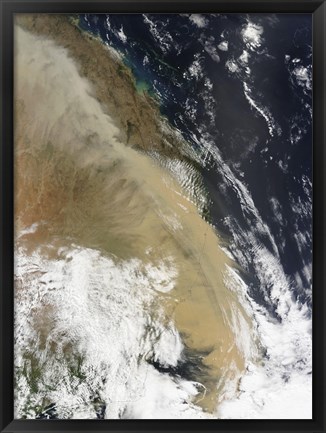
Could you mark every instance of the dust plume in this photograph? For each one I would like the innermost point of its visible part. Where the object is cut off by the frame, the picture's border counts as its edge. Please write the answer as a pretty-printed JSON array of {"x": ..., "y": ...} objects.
[{"x": 77, "y": 183}]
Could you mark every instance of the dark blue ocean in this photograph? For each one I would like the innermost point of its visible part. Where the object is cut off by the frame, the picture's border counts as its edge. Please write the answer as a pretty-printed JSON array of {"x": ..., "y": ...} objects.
[{"x": 239, "y": 89}]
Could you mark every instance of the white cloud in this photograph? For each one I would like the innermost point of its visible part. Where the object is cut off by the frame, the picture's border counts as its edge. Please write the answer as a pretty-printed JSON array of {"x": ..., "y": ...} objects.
[
  {"x": 232, "y": 66},
  {"x": 122, "y": 35},
  {"x": 263, "y": 111},
  {"x": 199, "y": 20},
  {"x": 252, "y": 35},
  {"x": 223, "y": 46},
  {"x": 244, "y": 57},
  {"x": 303, "y": 76},
  {"x": 209, "y": 45},
  {"x": 281, "y": 387}
]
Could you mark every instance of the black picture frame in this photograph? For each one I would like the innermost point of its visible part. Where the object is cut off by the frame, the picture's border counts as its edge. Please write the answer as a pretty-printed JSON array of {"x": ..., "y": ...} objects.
[{"x": 318, "y": 10}]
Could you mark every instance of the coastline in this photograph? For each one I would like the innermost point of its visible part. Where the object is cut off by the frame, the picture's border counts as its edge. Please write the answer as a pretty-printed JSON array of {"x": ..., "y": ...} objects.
[
  {"x": 120, "y": 98},
  {"x": 79, "y": 182}
]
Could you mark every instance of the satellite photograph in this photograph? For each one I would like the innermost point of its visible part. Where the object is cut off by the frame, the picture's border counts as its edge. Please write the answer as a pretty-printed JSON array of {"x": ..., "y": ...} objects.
[{"x": 163, "y": 216}]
